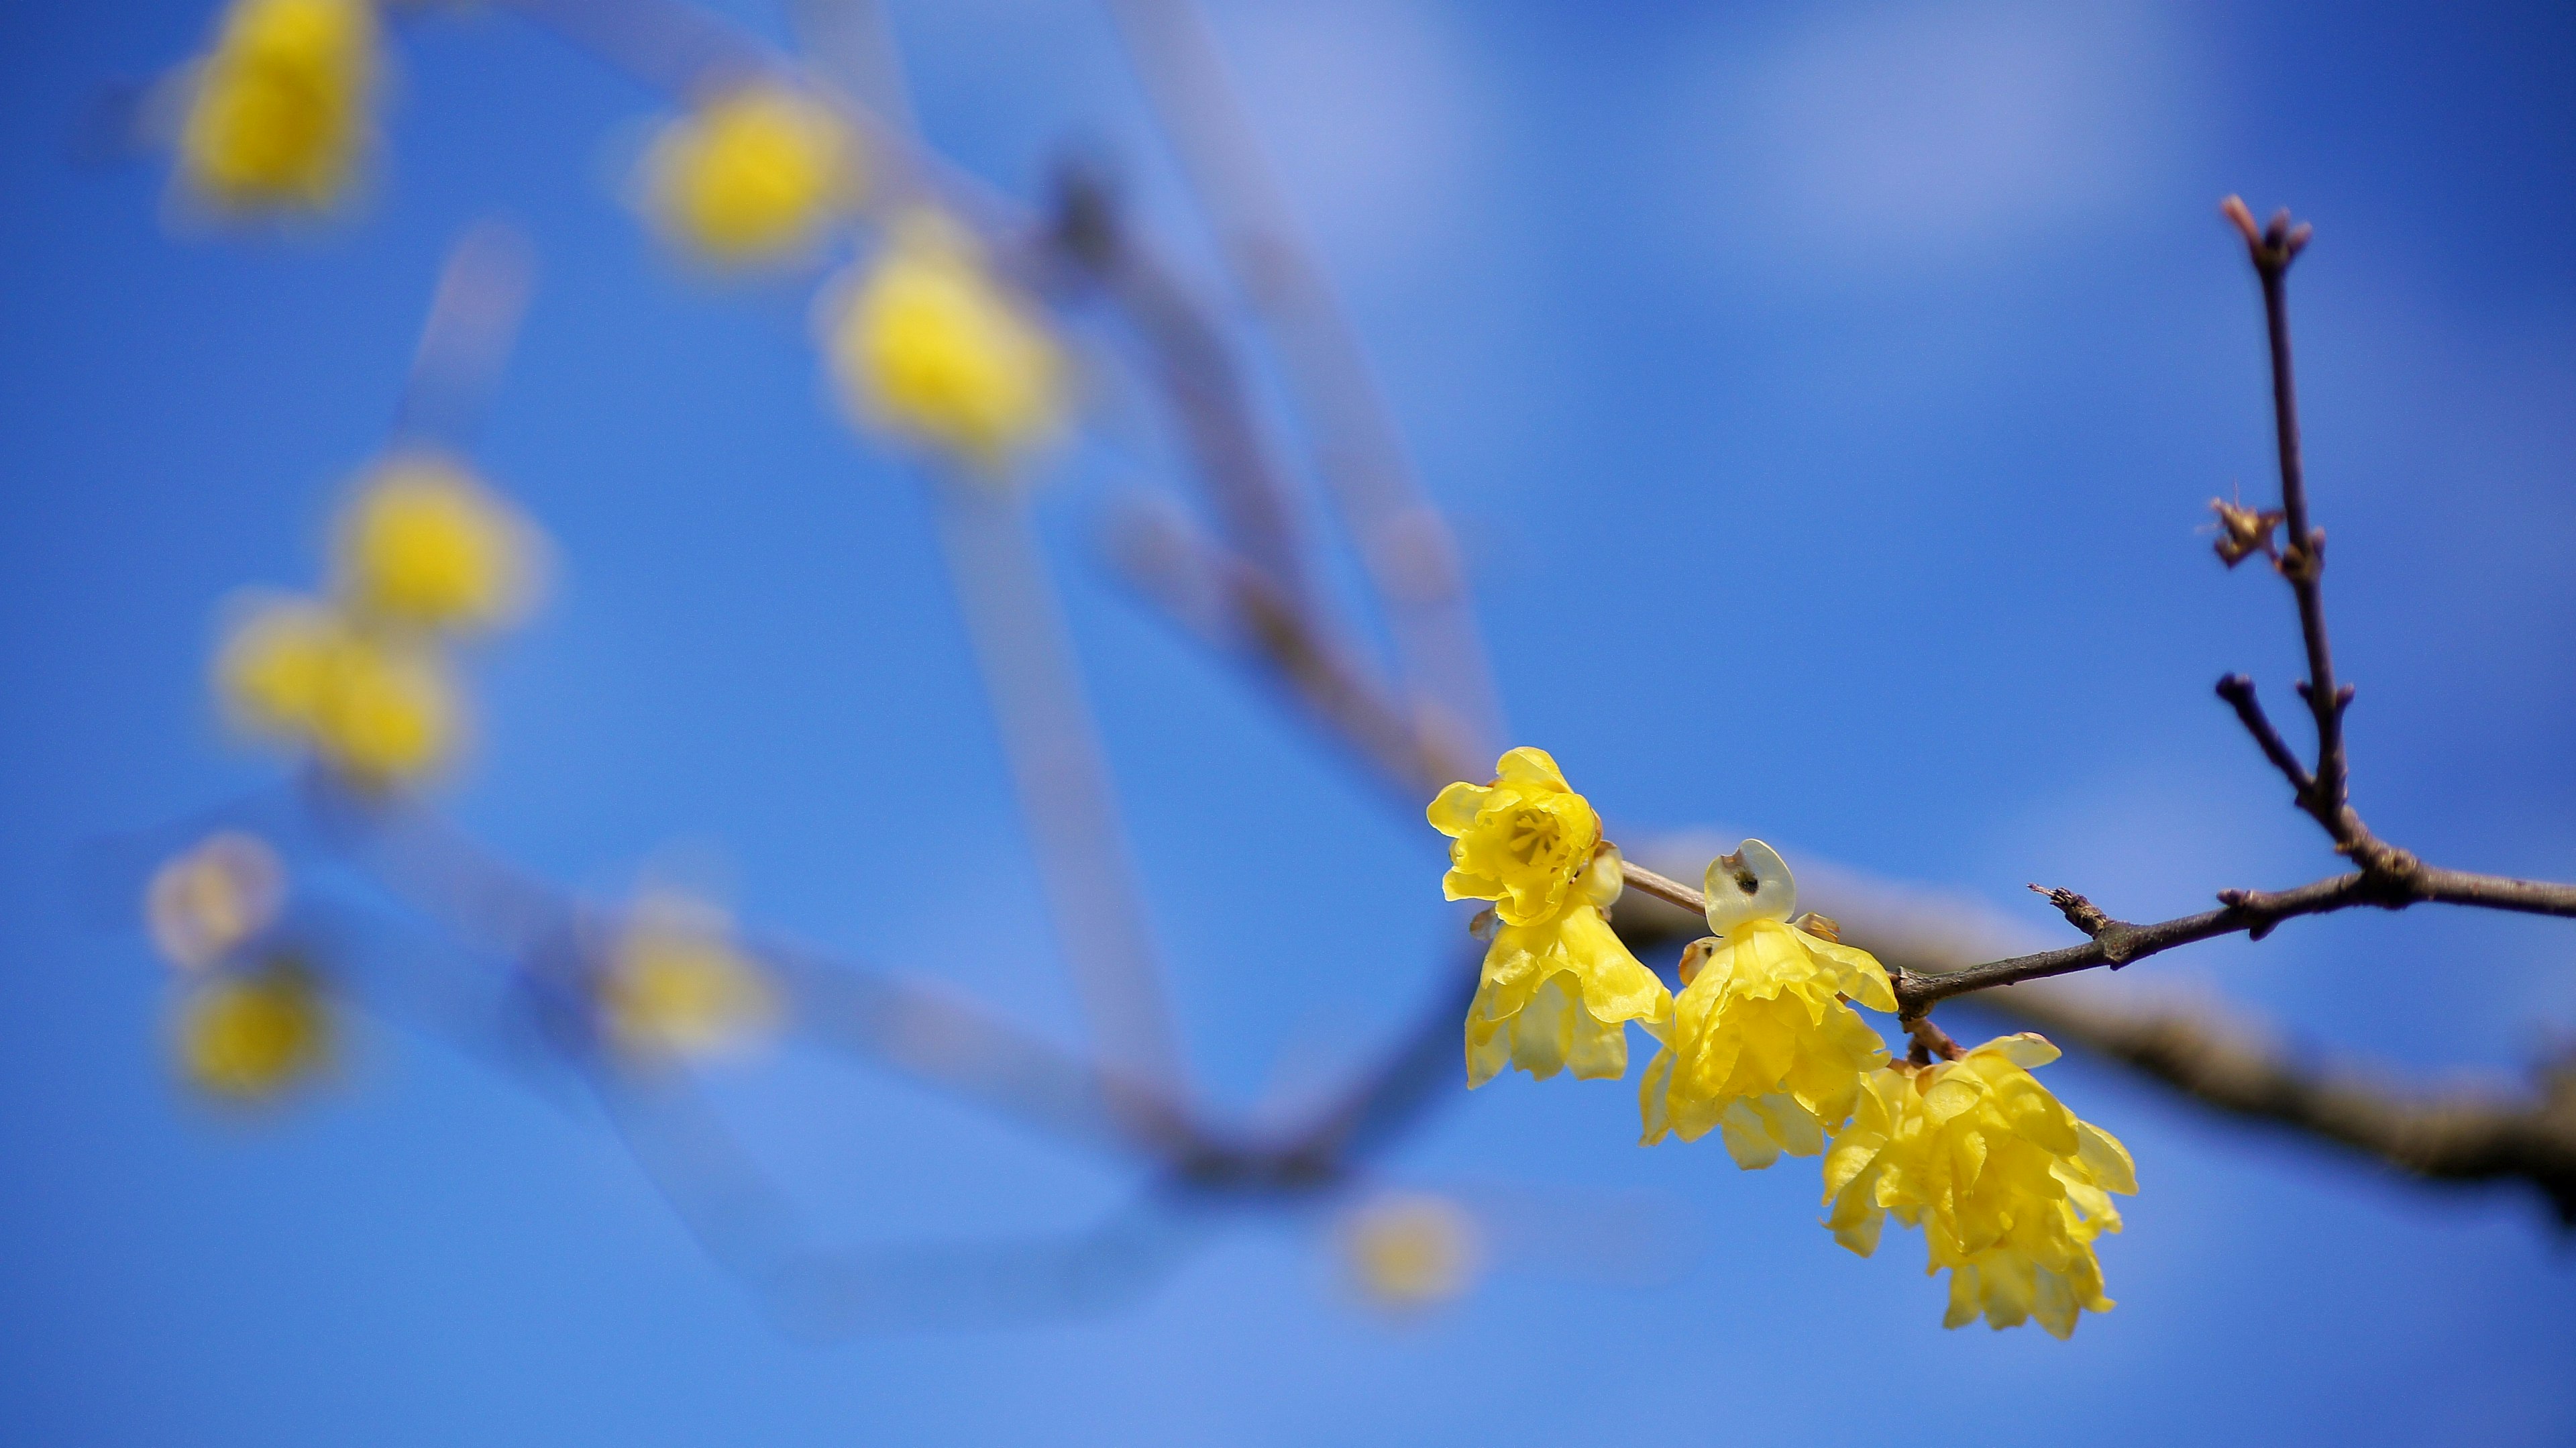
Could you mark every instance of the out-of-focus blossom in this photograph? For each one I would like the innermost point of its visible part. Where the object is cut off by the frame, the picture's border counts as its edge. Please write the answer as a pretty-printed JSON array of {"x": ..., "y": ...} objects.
[
  {"x": 676, "y": 984},
  {"x": 378, "y": 710},
  {"x": 250, "y": 1036},
  {"x": 1410, "y": 1251},
  {"x": 1762, "y": 1045},
  {"x": 424, "y": 544},
  {"x": 204, "y": 902},
  {"x": 933, "y": 347},
  {"x": 280, "y": 110},
  {"x": 1558, "y": 988},
  {"x": 2009, "y": 1187},
  {"x": 754, "y": 176}
]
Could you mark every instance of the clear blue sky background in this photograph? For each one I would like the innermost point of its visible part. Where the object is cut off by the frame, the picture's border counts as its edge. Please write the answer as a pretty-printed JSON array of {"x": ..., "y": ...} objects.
[{"x": 1828, "y": 393}]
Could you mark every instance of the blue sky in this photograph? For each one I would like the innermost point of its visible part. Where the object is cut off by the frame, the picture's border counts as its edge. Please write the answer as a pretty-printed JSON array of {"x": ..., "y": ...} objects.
[{"x": 1826, "y": 393}]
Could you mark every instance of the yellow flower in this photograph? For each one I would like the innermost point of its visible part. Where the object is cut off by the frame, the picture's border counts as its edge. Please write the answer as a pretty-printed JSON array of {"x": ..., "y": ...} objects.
[
  {"x": 278, "y": 115},
  {"x": 2009, "y": 1187},
  {"x": 1558, "y": 987},
  {"x": 378, "y": 711},
  {"x": 1521, "y": 842},
  {"x": 754, "y": 176},
  {"x": 676, "y": 985},
  {"x": 210, "y": 899},
  {"x": 1762, "y": 1044},
  {"x": 934, "y": 348},
  {"x": 424, "y": 544},
  {"x": 1411, "y": 1251},
  {"x": 252, "y": 1036}
]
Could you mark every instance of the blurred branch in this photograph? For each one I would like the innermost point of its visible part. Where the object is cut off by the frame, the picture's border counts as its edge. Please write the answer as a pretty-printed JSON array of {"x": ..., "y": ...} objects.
[
  {"x": 1004, "y": 591},
  {"x": 473, "y": 320},
  {"x": 1404, "y": 544}
]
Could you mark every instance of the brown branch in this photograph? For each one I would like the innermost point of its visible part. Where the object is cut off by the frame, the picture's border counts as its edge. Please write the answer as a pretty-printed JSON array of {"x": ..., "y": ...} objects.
[{"x": 2460, "y": 1134}]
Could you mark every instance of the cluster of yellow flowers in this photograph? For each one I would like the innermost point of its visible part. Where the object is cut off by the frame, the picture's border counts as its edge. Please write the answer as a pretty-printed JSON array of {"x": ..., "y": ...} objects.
[
  {"x": 1763, "y": 1045},
  {"x": 250, "y": 1022},
  {"x": 279, "y": 110},
  {"x": 927, "y": 340},
  {"x": 360, "y": 681}
]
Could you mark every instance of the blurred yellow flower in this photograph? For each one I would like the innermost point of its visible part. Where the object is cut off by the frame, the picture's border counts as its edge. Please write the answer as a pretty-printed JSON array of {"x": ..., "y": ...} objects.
[
  {"x": 379, "y": 711},
  {"x": 1410, "y": 1251},
  {"x": 932, "y": 347},
  {"x": 676, "y": 984},
  {"x": 211, "y": 898},
  {"x": 278, "y": 115},
  {"x": 424, "y": 544},
  {"x": 2009, "y": 1187},
  {"x": 252, "y": 1036},
  {"x": 754, "y": 176},
  {"x": 1762, "y": 1045},
  {"x": 1558, "y": 988}
]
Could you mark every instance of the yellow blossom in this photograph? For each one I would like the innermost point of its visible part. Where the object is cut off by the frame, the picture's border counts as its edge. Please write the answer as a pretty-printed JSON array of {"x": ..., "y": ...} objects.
[
  {"x": 1521, "y": 842},
  {"x": 2009, "y": 1187},
  {"x": 279, "y": 110},
  {"x": 755, "y": 175},
  {"x": 378, "y": 711},
  {"x": 1410, "y": 1251},
  {"x": 933, "y": 347},
  {"x": 1763, "y": 1045},
  {"x": 424, "y": 544},
  {"x": 676, "y": 985},
  {"x": 1558, "y": 988},
  {"x": 252, "y": 1036},
  {"x": 210, "y": 899}
]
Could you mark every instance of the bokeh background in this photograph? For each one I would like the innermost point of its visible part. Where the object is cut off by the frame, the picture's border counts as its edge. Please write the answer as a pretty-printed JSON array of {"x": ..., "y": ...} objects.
[{"x": 1827, "y": 394}]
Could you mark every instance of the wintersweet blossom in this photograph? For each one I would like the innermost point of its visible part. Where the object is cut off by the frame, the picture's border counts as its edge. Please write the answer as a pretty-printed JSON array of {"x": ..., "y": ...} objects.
[
  {"x": 933, "y": 347},
  {"x": 249, "y": 1036},
  {"x": 378, "y": 710},
  {"x": 676, "y": 985},
  {"x": 753, "y": 176},
  {"x": 1558, "y": 988},
  {"x": 1410, "y": 1251},
  {"x": 203, "y": 903},
  {"x": 424, "y": 544},
  {"x": 1762, "y": 1044},
  {"x": 2010, "y": 1188},
  {"x": 279, "y": 110}
]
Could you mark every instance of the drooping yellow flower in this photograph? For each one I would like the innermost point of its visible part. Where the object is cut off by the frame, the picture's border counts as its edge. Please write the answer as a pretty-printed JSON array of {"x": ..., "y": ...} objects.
[
  {"x": 933, "y": 347},
  {"x": 1763, "y": 1045},
  {"x": 251, "y": 1036},
  {"x": 378, "y": 710},
  {"x": 754, "y": 176},
  {"x": 1411, "y": 1251},
  {"x": 1558, "y": 988},
  {"x": 2009, "y": 1187},
  {"x": 676, "y": 984},
  {"x": 279, "y": 112},
  {"x": 424, "y": 544},
  {"x": 206, "y": 901}
]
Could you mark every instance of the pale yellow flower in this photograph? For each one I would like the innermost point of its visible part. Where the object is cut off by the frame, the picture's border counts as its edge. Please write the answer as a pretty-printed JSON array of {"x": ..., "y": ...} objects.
[
  {"x": 279, "y": 110},
  {"x": 378, "y": 710},
  {"x": 204, "y": 902},
  {"x": 251, "y": 1036},
  {"x": 2009, "y": 1187},
  {"x": 755, "y": 175},
  {"x": 1558, "y": 987},
  {"x": 1762, "y": 1045},
  {"x": 424, "y": 544},
  {"x": 676, "y": 984},
  {"x": 933, "y": 347},
  {"x": 1410, "y": 1251}
]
